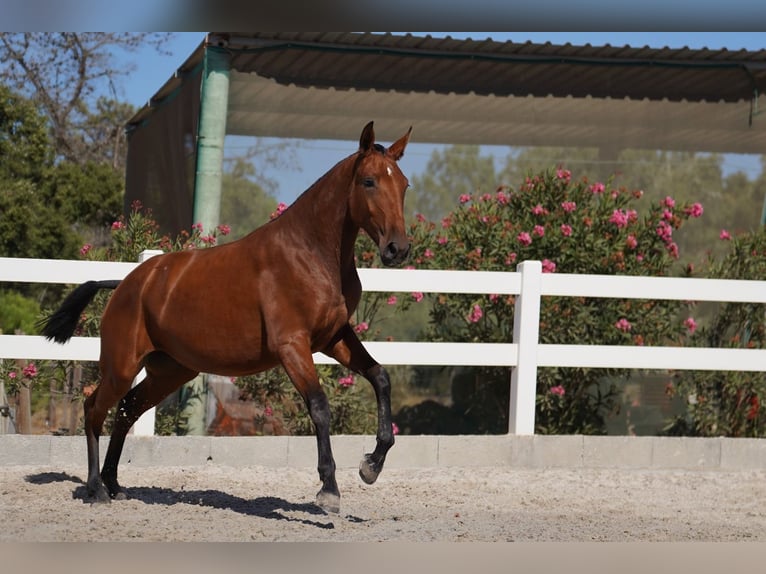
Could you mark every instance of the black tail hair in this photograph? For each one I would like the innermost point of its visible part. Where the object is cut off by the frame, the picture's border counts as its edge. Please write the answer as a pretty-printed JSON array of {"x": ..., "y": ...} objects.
[{"x": 61, "y": 325}]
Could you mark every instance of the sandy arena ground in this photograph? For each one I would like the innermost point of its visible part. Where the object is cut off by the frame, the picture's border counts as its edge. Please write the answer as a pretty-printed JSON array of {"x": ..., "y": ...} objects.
[{"x": 219, "y": 503}]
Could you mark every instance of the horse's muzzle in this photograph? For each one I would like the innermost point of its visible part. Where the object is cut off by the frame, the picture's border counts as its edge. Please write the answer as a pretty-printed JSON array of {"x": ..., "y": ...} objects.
[{"x": 394, "y": 253}]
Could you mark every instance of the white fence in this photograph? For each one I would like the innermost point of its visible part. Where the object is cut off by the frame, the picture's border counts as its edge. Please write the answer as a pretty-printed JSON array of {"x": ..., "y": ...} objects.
[{"x": 525, "y": 354}]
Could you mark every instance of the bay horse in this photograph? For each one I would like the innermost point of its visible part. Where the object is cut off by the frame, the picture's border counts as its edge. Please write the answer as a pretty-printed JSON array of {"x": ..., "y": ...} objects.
[{"x": 273, "y": 297}]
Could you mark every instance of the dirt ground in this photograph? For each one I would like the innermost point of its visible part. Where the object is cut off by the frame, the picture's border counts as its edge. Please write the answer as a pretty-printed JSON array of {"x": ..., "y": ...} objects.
[{"x": 217, "y": 503}]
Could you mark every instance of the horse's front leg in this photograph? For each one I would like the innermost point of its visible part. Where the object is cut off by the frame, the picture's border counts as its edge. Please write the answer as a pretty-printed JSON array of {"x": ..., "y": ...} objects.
[
  {"x": 298, "y": 362},
  {"x": 350, "y": 352}
]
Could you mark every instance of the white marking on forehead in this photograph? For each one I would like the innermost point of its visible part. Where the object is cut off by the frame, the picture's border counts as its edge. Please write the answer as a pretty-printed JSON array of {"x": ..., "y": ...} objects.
[{"x": 389, "y": 170}]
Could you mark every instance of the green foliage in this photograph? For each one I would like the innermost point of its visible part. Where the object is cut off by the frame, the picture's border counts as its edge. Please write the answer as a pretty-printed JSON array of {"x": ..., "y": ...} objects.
[
  {"x": 18, "y": 313},
  {"x": 459, "y": 168},
  {"x": 24, "y": 144},
  {"x": 572, "y": 226},
  {"x": 88, "y": 195},
  {"x": 728, "y": 403},
  {"x": 245, "y": 205}
]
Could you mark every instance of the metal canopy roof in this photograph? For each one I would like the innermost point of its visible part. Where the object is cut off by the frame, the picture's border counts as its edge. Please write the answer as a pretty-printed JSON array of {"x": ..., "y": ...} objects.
[{"x": 327, "y": 85}]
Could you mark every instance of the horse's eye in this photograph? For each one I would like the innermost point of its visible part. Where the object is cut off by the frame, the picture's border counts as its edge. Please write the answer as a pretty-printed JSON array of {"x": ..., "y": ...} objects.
[{"x": 368, "y": 182}]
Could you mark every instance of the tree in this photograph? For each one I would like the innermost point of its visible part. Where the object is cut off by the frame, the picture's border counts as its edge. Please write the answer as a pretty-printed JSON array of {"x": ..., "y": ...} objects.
[
  {"x": 29, "y": 225},
  {"x": 245, "y": 205},
  {"x": 451, "y": 172},
  {"x": 64, "y": 73}
]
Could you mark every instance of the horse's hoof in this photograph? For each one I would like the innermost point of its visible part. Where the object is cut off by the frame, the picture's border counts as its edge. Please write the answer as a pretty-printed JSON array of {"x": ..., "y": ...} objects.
[
  {"x": 99, "y": 496},
  {"x": 368, "y": 470},
  {"x": 328, "y": 501}
]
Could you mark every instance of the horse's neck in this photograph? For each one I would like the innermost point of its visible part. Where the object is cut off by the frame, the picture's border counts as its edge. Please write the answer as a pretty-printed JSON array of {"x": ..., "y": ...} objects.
[{"x": 322, "y": 215}]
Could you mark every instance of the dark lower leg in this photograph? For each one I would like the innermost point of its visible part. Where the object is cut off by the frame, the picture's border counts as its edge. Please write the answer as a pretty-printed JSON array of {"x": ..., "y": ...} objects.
[
  {"x": 127, "y": 414},
  {"x": 94, "y": 421},
  {"x": 319, "y": 410},
  {"x": 373, "y": 462}
]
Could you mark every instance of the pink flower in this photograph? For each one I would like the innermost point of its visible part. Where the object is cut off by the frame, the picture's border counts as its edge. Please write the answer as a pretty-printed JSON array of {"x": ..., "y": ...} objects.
[
  {"x": 486, "y": 197},
  {"x": 668, "y": 202},
  {"x": 566, "y": 230},
  {"x": 667, "y": 215},
  {"x": 691, "y": 325},
  {"x": 418, "y": 296},
  {"x": 673, "y": 249},
  {"x": 548, "y": 266},
  {"x": 510, "y": 259},
  {"x": 539, "y": 230},
  {"x": 539, "y": 210},
  {"x": 85, "y": 248},
  {"x": 695, "y": 210},
  {"x": 502, "y": 198},
  {"x": 524, "y": 238},
  {"x": 569, "y": 206},
  {"x": 420, "y": 217},
  {"x": 391, "y": 300},
  {"x": 564, "y": 174},
  {"x": 446, "y": 222},
  {"x": 623, "y": 325},
  {"x": 361, "y": 327},
  {"x": 268, "y": 411},
  {"x": 428, "y": 254},
  {"x": 597, "y": 187},
  {"x": 464, "y": 198},
  {"x": 197, "y": 227},
  {"x": 558, "y": 390},
  {"x": 224, "y": 229},
  {"x": 281, "y": 207},
  {"x": 118, "y": 225},
  {"x": 30, "y": 370},
  {"x": 440, "y": 240},
  {"x": 346, "y": 381},
  {"x": 394, "y": 428},
  {"x": 12, "y": 375},
  {"x": 665, "y": 231},
  {"x": 724, "y": 235},
  {"x": 209, "y": 239},
  {"x": 476, "y": 314},
  {"x": 631, "y": 242},
  {"x": 494, "y": 297},
  {"x": 619, "y": 218}
]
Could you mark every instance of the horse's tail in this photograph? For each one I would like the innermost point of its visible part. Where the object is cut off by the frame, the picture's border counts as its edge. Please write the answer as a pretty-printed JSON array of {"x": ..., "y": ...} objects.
[{"x": 61, "y": 325}]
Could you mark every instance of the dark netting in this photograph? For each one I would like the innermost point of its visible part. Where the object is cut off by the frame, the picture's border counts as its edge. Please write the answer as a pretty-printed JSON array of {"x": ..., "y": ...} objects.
[{"x": 162, "y": 153}]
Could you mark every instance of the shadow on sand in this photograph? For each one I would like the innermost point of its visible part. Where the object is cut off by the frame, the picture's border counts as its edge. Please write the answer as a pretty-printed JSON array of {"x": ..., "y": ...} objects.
[{"x": 269, "y": 507}]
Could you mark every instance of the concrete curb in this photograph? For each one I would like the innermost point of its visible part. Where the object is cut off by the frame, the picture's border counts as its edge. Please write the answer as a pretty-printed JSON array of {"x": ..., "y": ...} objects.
[{"x": 537, "y": 451}]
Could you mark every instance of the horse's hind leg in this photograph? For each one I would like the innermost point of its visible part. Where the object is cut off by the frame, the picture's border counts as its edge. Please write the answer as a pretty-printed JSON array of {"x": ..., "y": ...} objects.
[
  {"x": 96, "y": 407},
  {"x": 163, "y": 376},
  {"x": 350, "y": 352}
]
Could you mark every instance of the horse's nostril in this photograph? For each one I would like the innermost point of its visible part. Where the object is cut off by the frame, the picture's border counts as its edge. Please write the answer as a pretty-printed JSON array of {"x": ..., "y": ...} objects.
[{"x": 391, "y": 250}]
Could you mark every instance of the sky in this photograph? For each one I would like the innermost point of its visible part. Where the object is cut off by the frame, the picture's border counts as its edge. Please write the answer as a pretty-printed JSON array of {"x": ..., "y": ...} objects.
[{"x": 152, "y": 70}]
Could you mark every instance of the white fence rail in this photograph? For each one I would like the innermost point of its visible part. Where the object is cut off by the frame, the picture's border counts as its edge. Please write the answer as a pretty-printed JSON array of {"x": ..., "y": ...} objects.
[{"x": 525, "y": 354}]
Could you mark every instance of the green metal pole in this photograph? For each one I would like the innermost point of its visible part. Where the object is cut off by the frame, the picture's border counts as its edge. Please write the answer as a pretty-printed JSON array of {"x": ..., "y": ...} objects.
[
  {"x": 207, "y": 203},
  {"x": 212, "y": 131}
]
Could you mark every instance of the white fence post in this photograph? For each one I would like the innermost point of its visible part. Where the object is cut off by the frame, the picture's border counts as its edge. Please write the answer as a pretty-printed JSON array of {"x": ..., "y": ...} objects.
[
  {"x": 526, "y": 330},
  {"x": 144, "y": 426}
]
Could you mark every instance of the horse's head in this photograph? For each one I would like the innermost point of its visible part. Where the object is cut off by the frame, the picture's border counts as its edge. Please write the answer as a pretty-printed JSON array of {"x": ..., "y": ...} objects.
[{"x": 377, "y": 196}]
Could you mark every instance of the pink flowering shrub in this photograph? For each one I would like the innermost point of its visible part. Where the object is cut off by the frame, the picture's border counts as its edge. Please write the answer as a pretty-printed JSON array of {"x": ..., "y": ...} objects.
[
  {"x": 571, "y": 226},
  {"x": 727, "y": 403}
]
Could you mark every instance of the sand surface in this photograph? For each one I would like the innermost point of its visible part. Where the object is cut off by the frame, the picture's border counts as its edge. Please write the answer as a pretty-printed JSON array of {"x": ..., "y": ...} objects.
[{"x": 220, "y": 503}]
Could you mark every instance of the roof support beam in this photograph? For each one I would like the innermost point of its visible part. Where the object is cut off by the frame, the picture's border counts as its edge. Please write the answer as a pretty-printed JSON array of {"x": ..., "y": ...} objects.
[{"x": 212, "y": 131}]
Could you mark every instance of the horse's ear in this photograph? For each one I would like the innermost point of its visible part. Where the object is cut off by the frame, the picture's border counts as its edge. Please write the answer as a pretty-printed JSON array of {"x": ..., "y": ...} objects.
[
  {"x": 367, "y": 139},
  {"x": 397, "y": 148}
]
